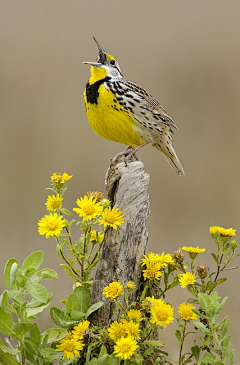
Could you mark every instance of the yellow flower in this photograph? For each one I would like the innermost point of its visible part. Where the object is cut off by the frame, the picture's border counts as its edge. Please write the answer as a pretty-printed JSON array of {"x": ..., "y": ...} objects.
[
  {"x": 59, "y": 179},
  {"x": 165, "y": 260},
  {"x": 161, "y": 313},
  {"x": 131, "y": 328},
  {"x": 113, "y": 290},
  {"x": 234, "y": 244},
  {"x": 94, "y": 236},
  {"x": 112, "y": 217},
  {"x": 78, "y": 331},
  {"x": 152, "y": 271},
  {"x": 88, "y": 208},
  {"x": 116, "y": 331},
  {"x": 193, "y": 249},
  {"x": 76, "y": 285},
  {"x": 51, "y": 225},
  {"x": 186, "y": 279},
  {"x": 70, "y": 347},
  {"x": 130, "y": 285},
  {"x": 151, "y": 258},
  {"x": 229, "y": 232},
  {"x": 125, "y": 347},
  {"x": 150, "y": 300},
  {"x": 135, "y": 314},
  {"x": 54, "y": 203},
  {"x": 185, "y": 311}
]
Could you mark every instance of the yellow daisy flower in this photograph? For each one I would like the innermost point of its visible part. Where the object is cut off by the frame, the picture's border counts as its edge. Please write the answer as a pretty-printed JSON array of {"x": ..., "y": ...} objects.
[
  {"x": 112, "y": 217},
  {"x": 165, "y": 260},
  {"x": 125, "y": 347},
  {"x": 229, "y": 232},
  {"x": 78, "y": 331},
  {"x": 152, "y": 271},
  {"x": 161, "y": 313},
  {"x": 130, "y": 285},
  {"x": 54, "y": 203},
  {"x": 185, "y": 311},
  {"x": 70, "y": 347},
  {"x": 113, "y": 290},
  {"x": 150, "y": 258},
  {"x": 59, "y": 179},
  {"x": 88, "y": 208},
  {"x": 186, "y": 279},
  {"x": 51, "y": 225},
  {"x": 116, "y": 331},
  {"x": 135, "y": 314},
  {"x": 94, "y": 236},
  {"x": 131, "y": 328},
  {"x": 193, "y": 249}
]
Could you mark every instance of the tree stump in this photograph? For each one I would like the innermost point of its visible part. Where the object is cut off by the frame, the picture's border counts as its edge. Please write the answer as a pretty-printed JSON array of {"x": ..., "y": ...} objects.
[{"x": 123, "y": 248}]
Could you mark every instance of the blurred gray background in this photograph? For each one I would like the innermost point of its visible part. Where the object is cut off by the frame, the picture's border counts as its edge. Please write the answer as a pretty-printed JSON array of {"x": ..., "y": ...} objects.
[{"x": 186, "y": 54}]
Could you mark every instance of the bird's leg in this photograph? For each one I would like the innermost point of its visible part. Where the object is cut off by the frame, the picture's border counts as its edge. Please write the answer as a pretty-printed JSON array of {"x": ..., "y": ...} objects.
[{"x": 128, "y": 153}]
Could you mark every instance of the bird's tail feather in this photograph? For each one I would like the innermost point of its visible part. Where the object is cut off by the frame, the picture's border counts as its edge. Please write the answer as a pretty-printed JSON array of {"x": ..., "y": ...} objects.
[{"x": 175, "y": 164}]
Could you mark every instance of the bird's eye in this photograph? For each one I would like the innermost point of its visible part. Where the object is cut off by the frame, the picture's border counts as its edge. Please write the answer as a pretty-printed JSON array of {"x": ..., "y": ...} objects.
[{"x": 112, "y": 62}]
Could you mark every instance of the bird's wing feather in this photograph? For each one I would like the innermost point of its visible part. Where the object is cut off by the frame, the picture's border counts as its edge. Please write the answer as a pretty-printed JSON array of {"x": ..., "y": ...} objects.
[{"x": 148, "y": 102}]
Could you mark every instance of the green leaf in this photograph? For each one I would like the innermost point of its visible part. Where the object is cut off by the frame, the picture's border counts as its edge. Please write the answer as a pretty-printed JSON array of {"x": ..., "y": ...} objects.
[
  {"x": 72, "y": 303},
  {"x": 4, "y": 304},
  {"x": 232, "y": 357},
  {"x": 179, "y": 336},
  {"x": 102, "y": 352},
  {"x": 210, "y": 359},
  {"x": 6, "y": 349},
  {"x": 31, "y": 312},
  {"x": 65, "y": 211},
  {"x": 17, "y": 296},
  {"x": 37, "y": 291},
  {"x": 84, "y": 297},
  {"x": 210, "y": 286},
  {"x": 201, "y": 327},
  {"x": 196, "y": 351},
  {"x": 46, "y": 274},
  {"x": 30, "y": 346},
  {"x": 6, "y": 324},
  {"x": 35, "y": 334},
  {"x": 224, "y": 325},
  {"x": 77, "y": 315},
  {"x": 215, "y": 259},
  {"x": 22, "y": 328},
  {"x": 60, "y": 319},
  {"x": 33, "y": 261},
  {"x": 154, "y": 343},
  {"x": 219, "y": 281},
  {"x": 8, "y": 359},
  {"x": 54, "y": 334},
  {"x": 13, "y": 272},
  {"x": 93, "y": 308},
  {"x": 226, "y": 346},
  {"x": 7, "y": 270}
]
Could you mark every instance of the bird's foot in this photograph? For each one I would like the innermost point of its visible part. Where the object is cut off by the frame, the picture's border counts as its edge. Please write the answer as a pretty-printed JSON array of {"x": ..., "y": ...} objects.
[{"x": 128, "y": 153}]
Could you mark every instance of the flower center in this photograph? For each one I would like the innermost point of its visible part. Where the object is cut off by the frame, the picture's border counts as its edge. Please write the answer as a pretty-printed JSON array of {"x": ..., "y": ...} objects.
[
  {"x": 110, "y": 218},
  {"x": 52, "y": 226},
  {"x": 89, "y": 209}
]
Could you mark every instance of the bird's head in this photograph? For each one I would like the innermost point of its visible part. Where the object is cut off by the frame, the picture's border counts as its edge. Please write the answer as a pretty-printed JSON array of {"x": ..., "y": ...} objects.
[{"x": 106, "y": 65}]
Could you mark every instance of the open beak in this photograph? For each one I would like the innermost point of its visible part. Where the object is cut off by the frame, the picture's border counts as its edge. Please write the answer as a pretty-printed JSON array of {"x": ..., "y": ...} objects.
[{"x": 94, "y": 64}]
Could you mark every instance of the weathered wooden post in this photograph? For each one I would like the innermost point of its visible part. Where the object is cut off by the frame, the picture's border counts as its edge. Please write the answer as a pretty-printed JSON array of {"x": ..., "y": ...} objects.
[{"x": 123, "y": 248}]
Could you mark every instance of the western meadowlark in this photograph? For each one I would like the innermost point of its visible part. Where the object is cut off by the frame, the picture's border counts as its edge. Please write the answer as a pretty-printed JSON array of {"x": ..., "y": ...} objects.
[{"x": 122, "y": 111}]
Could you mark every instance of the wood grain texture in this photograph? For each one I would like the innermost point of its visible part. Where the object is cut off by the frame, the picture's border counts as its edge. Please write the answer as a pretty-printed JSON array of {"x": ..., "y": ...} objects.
[{"x": 123, "y": 248}]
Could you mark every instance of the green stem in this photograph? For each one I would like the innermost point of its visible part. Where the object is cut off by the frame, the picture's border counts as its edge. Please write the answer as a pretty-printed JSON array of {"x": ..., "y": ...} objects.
[
  {"x": 21, "y": 339},
  {"x": 183, "y": 338}
]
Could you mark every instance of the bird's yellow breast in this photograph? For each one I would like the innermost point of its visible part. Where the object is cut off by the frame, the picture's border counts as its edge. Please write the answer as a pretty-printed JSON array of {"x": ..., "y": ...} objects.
[{"x": 109, "y": 119}]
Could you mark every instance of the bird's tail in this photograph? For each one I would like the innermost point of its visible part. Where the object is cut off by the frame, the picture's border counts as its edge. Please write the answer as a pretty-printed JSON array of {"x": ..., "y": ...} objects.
[
  {"x": 164, "y": 144},
  {"x": 175, "y": 164}
]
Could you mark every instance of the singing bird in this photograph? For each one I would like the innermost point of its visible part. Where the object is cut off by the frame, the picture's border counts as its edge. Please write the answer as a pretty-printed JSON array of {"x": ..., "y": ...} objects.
[{"x": 122, "y": 111}]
